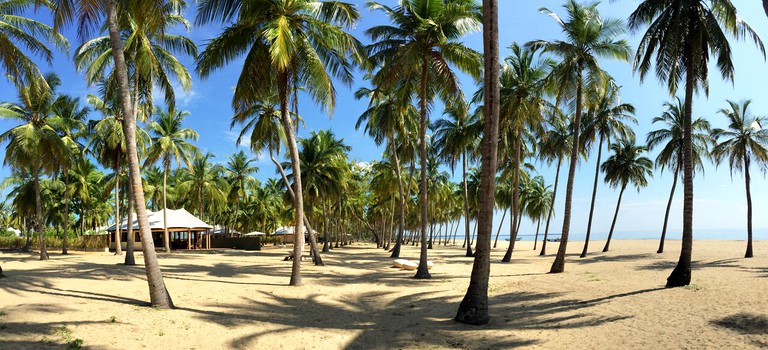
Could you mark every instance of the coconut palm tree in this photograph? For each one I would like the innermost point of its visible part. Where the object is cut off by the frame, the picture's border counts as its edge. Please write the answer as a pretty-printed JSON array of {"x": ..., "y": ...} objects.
[
  {"x": 423, "y": 41},
  {"x": 170, "y": 142},
  {"x": 88, "y": 15},
  {"x": 294, "y": 43},
  {"x": 456, "y": 138},
  {"x": 682, "y": 35},
  {"x": 554, "y": 146},
  {"x": 34, "y": 145},
  {"x": 607, "y": 118},
  {"x": 20, "y": 35},
  {"x": 239, "y": 169},
  {"x": 670, "y": 136},
  {"x": 626, "y": 166},
  {"x": 538, "y": 199},
  {"x": 202, "y": 182},
  {"x": 387, "y": 118},
  {"x": 743, "y": 143},
  {"x": 474, "y": 306},
  {"x": 589, "y": 37}
]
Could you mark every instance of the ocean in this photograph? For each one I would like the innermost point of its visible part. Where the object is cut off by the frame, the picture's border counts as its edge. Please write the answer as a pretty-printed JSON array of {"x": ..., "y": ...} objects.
[{"x": 708, "y": 234}]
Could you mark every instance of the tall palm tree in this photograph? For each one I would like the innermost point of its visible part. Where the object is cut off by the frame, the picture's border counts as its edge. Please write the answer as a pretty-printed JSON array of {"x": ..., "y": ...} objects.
[
  {"x": 88, "y": 15},
  {"x": 387, "y": 117},
  {"x": 671, "y": 138},
  {"x": 457, "y": 137},
  {"x": 522, "y": 114},
  {"x": 203, "y": 183},
  {"x": 626, "y": 166},
  {"x": 606, "y": 119},
  {"x": 589, "y": 37},
  {"x": 170, "y": 142},
  {"x": 34, "y": 145},
  {"x": 423, "y": 41},
  {"x": 538, "y": 199},
  {"x": 554, "y": 146},
  {"x": 744, "y": 143},
  {"x": 474, "y": 306},
  {"x": 15, "y": 30},
  {"x": 70, "y": 116},
  {"x": 682, "y": 35},
  {"x": 293, "y": 43},
  {"x": 239, "y": 169}
]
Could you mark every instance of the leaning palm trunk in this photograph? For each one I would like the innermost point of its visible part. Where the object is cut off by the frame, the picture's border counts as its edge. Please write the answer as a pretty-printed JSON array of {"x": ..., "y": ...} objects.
[
  {"x": 669, "y": 206},
  {"x": 166, "y": 239},
  {"x": 298, "y": 198},
  {"x": 401, "y": 198},
  {"x": 466, "y": 203},
  {"x": 515, "y": 202},
  {"x": 503, "y": 215},
  {"x": 423, "y": 271},
  {"x": 316, "y": 258},
  {"x": 159, "y": 296},
  {"x": 594, "y": 194},
  {"x": 615, "y": 215},
  {"x": 536, "y": 238},
  {"x": 681, "y": 275},
  {"x": 39, "y": 215},
  {"x": 747, "y": 180},
  {"x": 551, "y": 208},
  {"x": 65, "y": 235},
  {"x": 474, "y": 307},
  {"x": 559, "y": 264},
  {"x": 130, "y": 260}
]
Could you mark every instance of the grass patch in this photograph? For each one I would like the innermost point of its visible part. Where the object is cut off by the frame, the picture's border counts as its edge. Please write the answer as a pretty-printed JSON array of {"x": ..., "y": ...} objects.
[
  {"x": 76, "y": 344},
  {"x": 694, "y": 287},
  {"x": 112, "y": 319}
]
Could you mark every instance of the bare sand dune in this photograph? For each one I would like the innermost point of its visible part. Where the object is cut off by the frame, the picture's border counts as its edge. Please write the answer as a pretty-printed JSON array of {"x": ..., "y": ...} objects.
[{"x": 240, "y": 300}]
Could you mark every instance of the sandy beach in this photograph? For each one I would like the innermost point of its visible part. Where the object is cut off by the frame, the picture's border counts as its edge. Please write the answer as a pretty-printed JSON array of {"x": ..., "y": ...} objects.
[{"x": 240, "y": 300}]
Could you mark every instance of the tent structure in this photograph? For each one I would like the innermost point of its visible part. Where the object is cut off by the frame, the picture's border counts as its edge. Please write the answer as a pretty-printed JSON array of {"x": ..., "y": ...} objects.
[
  {"x": 254, "y": 233},
  {"x": 184, "y": 228}
]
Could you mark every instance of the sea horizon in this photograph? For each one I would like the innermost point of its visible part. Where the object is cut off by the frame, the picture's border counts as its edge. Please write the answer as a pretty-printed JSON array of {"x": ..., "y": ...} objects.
[{"x": 698, "y": 234}]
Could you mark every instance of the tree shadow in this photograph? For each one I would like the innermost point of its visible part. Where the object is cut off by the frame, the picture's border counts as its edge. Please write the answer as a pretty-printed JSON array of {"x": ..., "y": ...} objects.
[{"x": 744, "y": 323}]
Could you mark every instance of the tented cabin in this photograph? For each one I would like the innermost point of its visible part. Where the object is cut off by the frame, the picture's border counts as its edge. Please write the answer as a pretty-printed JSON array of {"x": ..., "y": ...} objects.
[{"x": 185, "y": 231}]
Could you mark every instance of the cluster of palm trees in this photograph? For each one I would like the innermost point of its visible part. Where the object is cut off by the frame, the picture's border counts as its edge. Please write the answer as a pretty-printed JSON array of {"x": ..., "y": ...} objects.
[{"x": 548, "y": 101}]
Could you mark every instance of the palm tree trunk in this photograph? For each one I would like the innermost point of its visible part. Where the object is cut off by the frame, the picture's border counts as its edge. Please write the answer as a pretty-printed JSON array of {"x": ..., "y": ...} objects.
[
  {"x": 401, "y": 194},
  {"x": 615, "y": 215},
  {"x": 551, "y": 208},
  {"x": 474, "y": 307},
  {"x": 536, "y": 238},
  {"x": 166, "y": 239},
  {"x": 159, "y": 296},
  {"x": 66, "y": 212},
  {"x": 391, "y": 225},
  {"x": 747, "y": 180},
  {"x": 594, "y": 194},
  {"x": 130, "y": 260},
  {"x": 681, "y": 275},
  {"x": 456, "y": 230},
  {"x": 298, "y": 198},
  {"x": 316, "y": 258},
  {"x": 39, "y": 215},
  {"x": 466, "y": 202},
  {"x": 559, "y": 264},
  {"x": 118, "y": 245},
  {"x": 669, "y": 206},
  {"x": 503, "y": 215},
  {"x": 422, "y": 271},
  {"x": 515, "y": 201}
]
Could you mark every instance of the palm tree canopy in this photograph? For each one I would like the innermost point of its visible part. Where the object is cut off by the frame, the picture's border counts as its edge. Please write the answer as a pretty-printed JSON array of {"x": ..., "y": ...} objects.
[
  {"x": 170, "y": 138},
  {"x": 458, "y": 134},
  {"x": 607, "y": 117},
  {"x": 670, "y": 137},
  {"x": 744, "y": 140},
  {"x": 627, "y": 165},
  {"x": 324, "y": 164}
]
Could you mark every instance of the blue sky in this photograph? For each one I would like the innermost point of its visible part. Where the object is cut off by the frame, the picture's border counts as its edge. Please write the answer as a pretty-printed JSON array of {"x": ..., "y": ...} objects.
[{"x": 720, "y": 198}]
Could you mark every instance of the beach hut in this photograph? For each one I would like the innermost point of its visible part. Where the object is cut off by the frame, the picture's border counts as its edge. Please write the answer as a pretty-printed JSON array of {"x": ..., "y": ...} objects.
[{"x": 186, "y": 231}]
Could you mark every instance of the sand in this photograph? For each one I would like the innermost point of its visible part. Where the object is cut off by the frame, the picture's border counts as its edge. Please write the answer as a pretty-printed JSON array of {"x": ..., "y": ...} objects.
[{"x": 240, "y": 300}]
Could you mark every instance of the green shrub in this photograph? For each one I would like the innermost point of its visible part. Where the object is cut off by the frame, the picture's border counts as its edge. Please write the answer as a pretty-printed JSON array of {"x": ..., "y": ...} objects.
[{"x": 93, "y": 242}]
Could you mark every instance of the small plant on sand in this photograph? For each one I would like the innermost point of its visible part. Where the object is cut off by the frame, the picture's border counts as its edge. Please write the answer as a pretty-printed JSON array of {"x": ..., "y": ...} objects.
[
  {"x": 694, "y": 287},
  {"x": 46, "y": 341},
  {"x": 112, "y": 319},
  {"x": 3, "y": 314},
  {"x": 63, "y": 332},
  {"x": 76, "y": 344},
  {"x": 161, "y": 333},
  {"x": 186, "y": 325}
]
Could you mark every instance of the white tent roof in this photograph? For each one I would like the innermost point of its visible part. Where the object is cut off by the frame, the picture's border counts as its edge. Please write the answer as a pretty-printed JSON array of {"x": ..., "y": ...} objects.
[
  {"x": 179, "y": 218},
  {"x": 288, "y": 230},
  {"x": 255, "y": 233}
]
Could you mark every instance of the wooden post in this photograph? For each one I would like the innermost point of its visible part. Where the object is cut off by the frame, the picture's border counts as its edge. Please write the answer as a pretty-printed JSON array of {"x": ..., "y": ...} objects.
[{"x": 189, "y": 240}]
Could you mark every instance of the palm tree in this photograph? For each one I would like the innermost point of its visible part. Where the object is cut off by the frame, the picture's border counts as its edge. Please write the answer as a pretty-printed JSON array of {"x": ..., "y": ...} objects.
[
  {"x": 70, "y": 118},
  {"x": 474, "y": 306},
  {"x": 682, "y": 35},
  {"x": 170, "y": 143},
  {"x": 422, "y": 43},
  {"x": 606, "y": 119},
  {"x": 456, "y": 138},
  {"x": 671, "y": 155},
  {"x": 239, "y": 169},
  {"x": 88, "y": 15},
  {"x": 203, "y": 183},
  {"x": 294, "y": 42},
  {"x": 387, "y": 117},
  {"x": 554, "y": 146},
  {"x": 18, "y": 29},
  {"x": 589, "y": 37},
  {"x": 744, "y": 142},
  {"x": 538, "y": 199},
  {"x": 626, "y": 166},
  {"x": 34, "y": 145}
]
